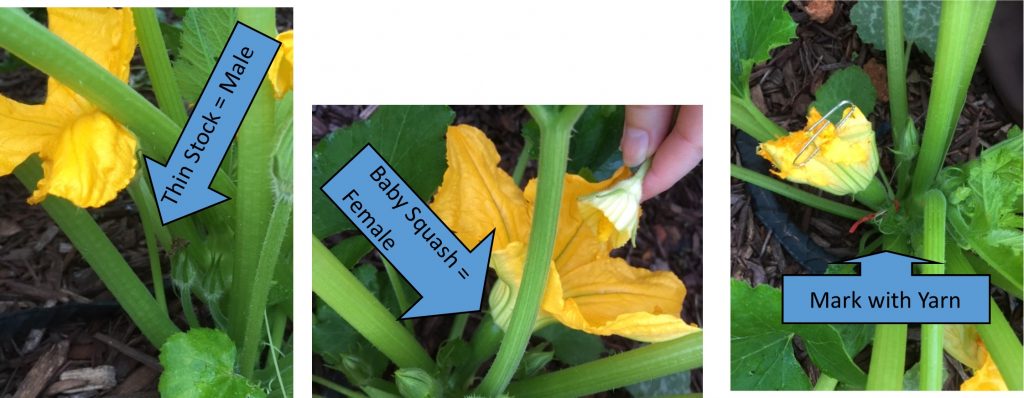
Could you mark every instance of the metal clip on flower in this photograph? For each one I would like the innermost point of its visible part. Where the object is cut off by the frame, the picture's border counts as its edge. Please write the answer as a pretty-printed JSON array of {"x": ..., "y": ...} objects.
[{"x": 818, "y": 127}]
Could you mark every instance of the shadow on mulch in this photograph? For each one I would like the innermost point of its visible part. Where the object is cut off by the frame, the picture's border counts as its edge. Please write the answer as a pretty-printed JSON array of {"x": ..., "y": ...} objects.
[
  {"x": 783, "y": 89},
  {"x": 669, "y": 237}
]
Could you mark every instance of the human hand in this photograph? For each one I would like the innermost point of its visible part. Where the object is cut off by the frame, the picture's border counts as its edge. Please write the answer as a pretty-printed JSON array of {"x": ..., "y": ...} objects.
[{"x": 675, "y": 152}]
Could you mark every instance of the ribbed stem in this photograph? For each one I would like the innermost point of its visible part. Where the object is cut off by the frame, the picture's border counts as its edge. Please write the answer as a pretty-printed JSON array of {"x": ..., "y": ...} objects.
[
  {"x": 889, "y": 348},
  {"x": 158, "y": 65},
  {"x": 554, "y": 152},
  {"x": 336, "y": 285},
  {"x": 627, "y": 368},
  {"x": 934, "y": 249},
  {"x": 962, "y": 29},
  {"x": 1000, "y": 340}
]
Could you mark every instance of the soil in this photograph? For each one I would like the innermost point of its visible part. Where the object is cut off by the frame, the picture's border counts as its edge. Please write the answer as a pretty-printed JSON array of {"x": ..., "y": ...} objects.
[
  {"x": 669, "y": 237},
  {"x": 41, "y": 272},
  {"x": 783, "y": 89}
]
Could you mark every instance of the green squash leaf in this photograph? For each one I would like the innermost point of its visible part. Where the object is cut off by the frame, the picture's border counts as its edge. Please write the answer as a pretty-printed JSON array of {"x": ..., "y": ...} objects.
[
  {"x": 762, "y": 354},
  {"x": 204, "y": 33},
  {"x": 757, "y": 28},
  {"x": 852, "y": 84},
  {"x": 594, "y": 147},
  {"x": 410, "y": 138},
  {"x": 920, "y": 23},
  {"x": 201, "y": 364},
  {"x": 985, "y": 207},
  {"x": 572, "y": 347}
]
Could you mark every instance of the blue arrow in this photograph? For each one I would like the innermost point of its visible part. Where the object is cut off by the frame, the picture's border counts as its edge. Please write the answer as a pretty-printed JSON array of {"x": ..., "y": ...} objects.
[
  {"x": 182, "y": 186},
  {"x": 885, "y": 291},
  {"x": 448, "y": 276}
]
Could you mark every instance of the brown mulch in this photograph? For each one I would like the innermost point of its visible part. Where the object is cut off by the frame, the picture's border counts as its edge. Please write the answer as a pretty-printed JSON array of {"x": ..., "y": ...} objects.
[
  {"x": 669, "y": 237},
  {"x": 40, "y": 269},
  {"x": 783, "y": 88}
]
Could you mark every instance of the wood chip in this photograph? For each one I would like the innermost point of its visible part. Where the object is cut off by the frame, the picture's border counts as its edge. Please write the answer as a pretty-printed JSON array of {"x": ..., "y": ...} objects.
[
  {"x": 42, "y": 371},
  {"x": 99, "y": 378}
]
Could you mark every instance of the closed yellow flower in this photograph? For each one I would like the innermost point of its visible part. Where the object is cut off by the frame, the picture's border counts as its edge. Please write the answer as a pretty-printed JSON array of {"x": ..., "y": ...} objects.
[
  {"x": 986, "y": 377},
  {"x": 87, "y": 157},
  {"x": 847, "y": 157},
  {"x": 280, "y": 73},
  {"x": 619, "y": 208},
  {"x": 587, "y": 289}
]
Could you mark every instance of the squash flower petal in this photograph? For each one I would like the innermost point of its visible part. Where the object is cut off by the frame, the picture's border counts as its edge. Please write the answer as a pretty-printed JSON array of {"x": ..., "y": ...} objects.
[
  {"x": 280, "y": 73},
  {"x": 87, "y": 157},
  {"x": 586, "y": 289},
  {"x": 986, "y": 377},
  {"x": 847, "y": 160},
  {"x": 619, "y": 208}
]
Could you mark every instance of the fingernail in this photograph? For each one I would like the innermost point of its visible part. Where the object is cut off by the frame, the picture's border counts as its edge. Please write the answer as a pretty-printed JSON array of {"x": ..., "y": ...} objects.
[{"x": 634, "y": 147}]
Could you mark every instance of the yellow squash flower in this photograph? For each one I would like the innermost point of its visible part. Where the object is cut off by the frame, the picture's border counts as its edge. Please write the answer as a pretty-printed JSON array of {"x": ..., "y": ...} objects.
[
  {"x": 986, "y": 377},
  {"x": 846, "y": 162},
  {"x": 586, "y": 289},
  {"x": 280, "y": 73},
  {"x": 620, "y": 206},
  {"x": 87, "y": 157}
]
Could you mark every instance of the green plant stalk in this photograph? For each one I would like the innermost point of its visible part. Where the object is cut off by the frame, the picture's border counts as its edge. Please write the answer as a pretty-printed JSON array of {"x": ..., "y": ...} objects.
[
  {"x": 338, "y": 388},
  {"x": 524, "y": 158},
  {"x": 896, "y": 67},
  {"x": 458, "y": 326},
  {"x": 934, "y": 249},
  {"x": 104, "y": 259},
  {"x": 37, "y": 46},
  {"x": 340, "y": 290},
  {"x": 485, "y": 342},
  {"x": 151, "y": 230},
  {"x": 826, "y": 383},
  {"x": 402, "y": 293},
  {"x": 1000, "y": 340},
  {"x": 752, "y": 121},
  {"x": 962, "y": 29},
  {"x": 627, "y": 368},
  {"x": 158, "y": 65},
  {"x": 797, "y": 194},
  {"x": 887, "y": 358},
  {"x": 253, "y": 208},
  {"x": 554, "y": 152},
  {"x": 889, "y": 348}
]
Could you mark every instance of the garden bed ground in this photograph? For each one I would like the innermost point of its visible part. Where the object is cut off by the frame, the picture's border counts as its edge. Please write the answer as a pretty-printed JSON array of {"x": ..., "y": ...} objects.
[
  {"x": 669, "y": 237},
  {"x": 40, "y": 271},
  {"x": 783, "y": 89}
]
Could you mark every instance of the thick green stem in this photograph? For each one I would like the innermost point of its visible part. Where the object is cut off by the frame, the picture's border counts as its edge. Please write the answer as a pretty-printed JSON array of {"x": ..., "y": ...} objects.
[
  {"x": 889, "y": 348},
  {"x": 253, "y": 208},
  {"x": 1000, "y": 340},
  {"x": 338, "y": 388},
  {"x": 896, "y": 68},
  {"x": 39, "y": 47},
  {"x": 630, "y": 367},
  {"x": 336, "y": 285},
  {"x": 104, "y": 258},
  {"x": 158, "y": 65},
  {"x": 903, "y": 132},
  {"x": 554, "y": 152},
  {"x": 458, "y": 326},
  {"x": 797, "y": 194},
  {"x": 746, "y": 117},
  {"x": 962, "y": 29},
  {"x": 934, "y": 249},
  {"x": 826, "y": 383}
]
